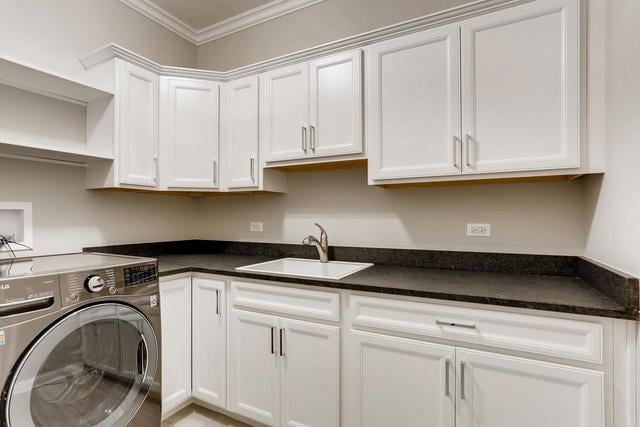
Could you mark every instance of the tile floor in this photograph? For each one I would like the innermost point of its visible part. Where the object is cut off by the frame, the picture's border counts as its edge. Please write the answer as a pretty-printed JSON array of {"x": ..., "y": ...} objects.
[{"x": 196, "y": 416}]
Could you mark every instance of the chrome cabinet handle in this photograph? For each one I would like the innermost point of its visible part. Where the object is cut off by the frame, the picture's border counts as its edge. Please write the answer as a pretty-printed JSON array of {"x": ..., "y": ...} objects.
[
  {"x": 215, "y": 172},
  {"x": 447, "y": 365},
  {"x": 304, "y": 139},
  {"x": 217, "y": 301},
  {"x": 282, "y": 342},
  {"x": 252, "y": 165},
  {"x": 462, "y": 365},
  {"x": 273, "y": 338},
  {"x": 456, "y": 141},
  {"x": 456, "y": 325},
  {"x": 155, "y": 161},
  {"x": 468, "y": 159},
  {"x": 313, "y": 138}
]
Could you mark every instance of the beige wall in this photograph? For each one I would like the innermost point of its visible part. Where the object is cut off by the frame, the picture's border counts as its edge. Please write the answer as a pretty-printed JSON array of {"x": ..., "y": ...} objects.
[
  {"x": 56, "y": 33},
  {"x": 321, "y": 23},
  {"x": 67, "y": 217},
  {"x": 528, "y": 218},
  {"x": 614, "y": 236}
]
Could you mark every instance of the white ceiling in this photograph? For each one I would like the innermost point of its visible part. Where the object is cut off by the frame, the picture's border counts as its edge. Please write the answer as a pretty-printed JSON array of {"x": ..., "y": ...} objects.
[
  {"x": 199, "y": 14},
  {"x": 201, "y": 21}
]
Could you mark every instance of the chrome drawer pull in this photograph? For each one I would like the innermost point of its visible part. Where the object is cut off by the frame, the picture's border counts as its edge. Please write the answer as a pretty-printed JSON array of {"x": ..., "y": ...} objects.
[{"x": 456, "y": 325}]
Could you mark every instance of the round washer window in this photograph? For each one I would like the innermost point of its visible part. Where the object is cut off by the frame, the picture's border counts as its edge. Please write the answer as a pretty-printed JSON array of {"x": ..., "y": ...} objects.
[{"x": 94, "y": 367}]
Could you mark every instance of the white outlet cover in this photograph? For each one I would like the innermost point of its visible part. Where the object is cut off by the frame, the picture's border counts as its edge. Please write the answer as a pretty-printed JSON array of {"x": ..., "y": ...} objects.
[
  {"x": 479, "y": 230},
  {"x": 256, "y": 226}
]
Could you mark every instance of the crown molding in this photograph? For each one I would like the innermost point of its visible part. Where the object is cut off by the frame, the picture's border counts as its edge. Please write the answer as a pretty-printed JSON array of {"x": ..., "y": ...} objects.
[
  {"x": 220, "y": 29},
  {"x": 454, "y": 14}
]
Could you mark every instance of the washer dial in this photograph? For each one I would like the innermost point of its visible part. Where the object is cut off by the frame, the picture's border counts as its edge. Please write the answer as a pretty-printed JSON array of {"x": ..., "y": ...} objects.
[{"x": 94, "y": 283}]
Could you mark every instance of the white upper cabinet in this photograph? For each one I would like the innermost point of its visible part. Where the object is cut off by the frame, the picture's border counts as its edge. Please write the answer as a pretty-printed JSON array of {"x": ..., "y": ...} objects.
[
  {"x": 497, "y": 93},
  {"x": 189, "y": 135},
  {"x": 335, "y": 125},
  {"x": 241, "y": 135},
  {"x": 520, "y": 87},
  {"x": 312, "y": 109},
  {"x": 413, "y": 105},
  {"x": 137, "y": 107},
  {"x": 284, "y": 109}
]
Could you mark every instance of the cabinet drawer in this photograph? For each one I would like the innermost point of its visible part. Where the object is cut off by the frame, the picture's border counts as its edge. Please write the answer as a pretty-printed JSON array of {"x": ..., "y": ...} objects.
[
  {"x": 285, "y": 300},
  {"x": 565, "y": 338}
]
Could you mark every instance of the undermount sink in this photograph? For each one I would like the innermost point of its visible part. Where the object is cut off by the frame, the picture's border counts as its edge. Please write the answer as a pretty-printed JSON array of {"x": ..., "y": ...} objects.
[{"x": 299, "y": 267}]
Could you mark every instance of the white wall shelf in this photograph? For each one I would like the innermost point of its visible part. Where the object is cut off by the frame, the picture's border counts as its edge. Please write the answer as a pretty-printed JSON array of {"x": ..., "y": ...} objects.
[
  {"x": 35, "y": 79},
  {"x": 48, "y": 154}
]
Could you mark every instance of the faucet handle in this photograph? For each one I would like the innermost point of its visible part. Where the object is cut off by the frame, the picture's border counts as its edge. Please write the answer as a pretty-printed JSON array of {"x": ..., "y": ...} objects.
[{"x": 323, "y": 233}]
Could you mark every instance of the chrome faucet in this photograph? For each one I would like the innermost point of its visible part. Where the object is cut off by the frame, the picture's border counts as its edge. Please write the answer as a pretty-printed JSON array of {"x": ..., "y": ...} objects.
[{"x": 322, "y": 246}]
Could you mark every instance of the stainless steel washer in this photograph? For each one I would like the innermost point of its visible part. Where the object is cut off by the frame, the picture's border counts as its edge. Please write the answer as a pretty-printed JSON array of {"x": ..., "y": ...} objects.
[{"x": 80, "y": 341}]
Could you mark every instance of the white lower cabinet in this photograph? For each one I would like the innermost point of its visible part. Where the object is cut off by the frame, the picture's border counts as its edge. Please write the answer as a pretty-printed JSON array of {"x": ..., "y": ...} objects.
[
  {"x": 393, "y": 381},
  {"x": 209, "y": 335},
  {"x": 193, "y": 342},
  {"x": 504, "y": 391},
  {"x": 284, "y": 372},
  {"x": 175, "y": 307}
]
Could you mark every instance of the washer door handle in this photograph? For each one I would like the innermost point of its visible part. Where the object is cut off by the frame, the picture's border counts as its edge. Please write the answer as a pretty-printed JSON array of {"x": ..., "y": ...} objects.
[{"x": 142, "y": 359}]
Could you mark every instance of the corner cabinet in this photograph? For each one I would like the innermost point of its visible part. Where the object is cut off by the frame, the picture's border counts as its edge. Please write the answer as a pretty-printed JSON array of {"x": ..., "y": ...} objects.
[
  {"x": 313, "y": 109},
  {"x": 189, "y": 133},
  {"x": 497, "y": 93}
]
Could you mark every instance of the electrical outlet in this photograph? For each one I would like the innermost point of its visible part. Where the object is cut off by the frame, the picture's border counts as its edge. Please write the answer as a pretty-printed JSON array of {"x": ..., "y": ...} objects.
[
  {"x": 256, "y": 226},
  {"x": 479, "y": 230}
]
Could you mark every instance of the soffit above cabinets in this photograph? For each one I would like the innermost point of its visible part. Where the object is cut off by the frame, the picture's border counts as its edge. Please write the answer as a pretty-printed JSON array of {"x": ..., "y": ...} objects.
[{"x": 201, "y": 21}]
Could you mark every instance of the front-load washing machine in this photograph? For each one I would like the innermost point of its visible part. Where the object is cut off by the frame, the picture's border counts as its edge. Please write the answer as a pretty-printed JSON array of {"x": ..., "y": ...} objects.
[{"x": 80, "y": 341}]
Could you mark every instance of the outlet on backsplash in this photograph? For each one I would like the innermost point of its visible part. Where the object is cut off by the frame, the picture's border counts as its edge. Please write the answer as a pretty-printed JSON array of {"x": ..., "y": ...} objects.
[
  {"x": 479, "y": 230},
  {"x": 256, "y": 226}
]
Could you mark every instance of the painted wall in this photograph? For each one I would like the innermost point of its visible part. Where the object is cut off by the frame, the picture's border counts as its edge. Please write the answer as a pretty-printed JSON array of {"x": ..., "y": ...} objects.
[
  {"x": 614, "y": 232},
  {"x": 323, "y": 22},
  {"x": 67, "y": 217},
  {"x": 526, "y": 218},
  {"x": 53, "y": 35}
]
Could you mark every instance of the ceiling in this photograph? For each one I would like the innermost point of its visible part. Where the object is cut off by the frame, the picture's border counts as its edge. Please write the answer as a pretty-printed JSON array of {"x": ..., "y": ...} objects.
[
  {"x": 199, "y": 14},
  {"x": 201, "y": 21}
]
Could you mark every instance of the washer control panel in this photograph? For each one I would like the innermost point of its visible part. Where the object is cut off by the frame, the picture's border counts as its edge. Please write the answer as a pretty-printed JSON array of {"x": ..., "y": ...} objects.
[{"x": 129, "y": 279}]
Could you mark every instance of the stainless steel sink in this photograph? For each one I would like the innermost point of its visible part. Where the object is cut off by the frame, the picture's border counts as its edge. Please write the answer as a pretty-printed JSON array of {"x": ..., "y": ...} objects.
[{"x": 299, "y": 267}]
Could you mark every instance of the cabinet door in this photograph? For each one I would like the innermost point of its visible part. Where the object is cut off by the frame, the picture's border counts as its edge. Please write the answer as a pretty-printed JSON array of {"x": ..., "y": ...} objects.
[
  {"x": 242, "y": 133},
  {"x": 189, "y": 137},
  {"x": 175, "y": 295},
  {"x": 398, "y": 382},
  {"x": 505, "y": 391},
  {"x": 209, "y": 369},
  {"x": 336, "y": 104},
  {"x": 413, "y": 101},
  {"x": 520, "y": 88},
  {"x": 284, "y": 112},
  {"x": 137, "y": 104},
  {"x": 310, "y": 374},
  {"x": 253, "y": 367}
]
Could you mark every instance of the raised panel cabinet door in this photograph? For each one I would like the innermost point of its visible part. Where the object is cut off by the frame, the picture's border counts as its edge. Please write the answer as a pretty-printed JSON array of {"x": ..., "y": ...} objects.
[
  {"x": 209, "y": 336},
  {"x": 284, "y": 112},
  {"x": 310, "y": 374},
  {"x": 254, "y": 385},
  {"x": 137, "y": 104},
  {"x": 242, "y": 133},
  {"x": 413, "y": 105},
  {"x": 393, "y": 381},
  {"x": 190, "y": 133},
  {"x": 335, "y": 125},
  {"x": 175, "y": 295},
  {"x": 505, "y": 391},
  {"x": 520, "y": 88}
]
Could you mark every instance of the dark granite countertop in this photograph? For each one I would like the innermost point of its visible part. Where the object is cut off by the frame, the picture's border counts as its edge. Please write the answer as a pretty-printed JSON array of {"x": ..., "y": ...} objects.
[{"x": 542, "y": 292}]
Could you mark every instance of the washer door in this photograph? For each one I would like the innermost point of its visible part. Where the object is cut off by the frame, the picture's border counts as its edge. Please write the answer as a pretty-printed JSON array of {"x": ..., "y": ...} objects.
[{"x": 93, "y": 367}]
